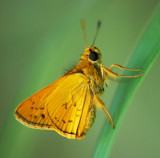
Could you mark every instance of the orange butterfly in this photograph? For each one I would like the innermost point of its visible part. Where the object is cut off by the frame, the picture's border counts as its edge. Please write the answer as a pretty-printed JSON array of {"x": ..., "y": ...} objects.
[{"x": 68, "y": 105}]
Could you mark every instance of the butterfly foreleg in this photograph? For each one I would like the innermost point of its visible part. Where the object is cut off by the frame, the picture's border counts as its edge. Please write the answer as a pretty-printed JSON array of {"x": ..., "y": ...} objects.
[
  {"x": 108, "y": 71},
  {"x": 121, "y": 67}
]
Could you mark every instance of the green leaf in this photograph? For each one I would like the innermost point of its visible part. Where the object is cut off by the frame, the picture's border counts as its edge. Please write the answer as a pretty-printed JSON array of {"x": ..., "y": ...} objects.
[{"x": 145, "y": 54}]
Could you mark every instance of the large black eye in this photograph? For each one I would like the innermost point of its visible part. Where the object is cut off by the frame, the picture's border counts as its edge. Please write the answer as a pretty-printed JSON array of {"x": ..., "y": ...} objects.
[{"x": 93, "y": 56}]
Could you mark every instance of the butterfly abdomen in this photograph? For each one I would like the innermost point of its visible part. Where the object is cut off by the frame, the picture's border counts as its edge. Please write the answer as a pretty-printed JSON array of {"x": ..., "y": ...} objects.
[{"x": 90, "y": 118}]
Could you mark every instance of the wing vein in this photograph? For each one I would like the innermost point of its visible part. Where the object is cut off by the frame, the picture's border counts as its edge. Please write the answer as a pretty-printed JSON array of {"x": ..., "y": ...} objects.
[{"x": 81, "y": 112}]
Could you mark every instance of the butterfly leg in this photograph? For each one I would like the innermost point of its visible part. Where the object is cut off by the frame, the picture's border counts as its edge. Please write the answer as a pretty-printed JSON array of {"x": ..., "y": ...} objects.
[
  {"x": 120, "y": 67},
  {"x": 99, "y": 103},
  {"x": 108, "y": 71}
]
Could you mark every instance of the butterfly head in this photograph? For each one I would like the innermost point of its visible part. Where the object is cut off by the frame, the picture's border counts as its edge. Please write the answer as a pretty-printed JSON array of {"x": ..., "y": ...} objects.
[{"x": 92, "y": 54}]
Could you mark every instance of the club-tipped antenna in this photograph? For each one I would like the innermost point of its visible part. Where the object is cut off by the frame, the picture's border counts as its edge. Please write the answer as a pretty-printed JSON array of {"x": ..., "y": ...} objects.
[
  {"x": 84, "y": 33},
  {"x": 98, "y": 28}
]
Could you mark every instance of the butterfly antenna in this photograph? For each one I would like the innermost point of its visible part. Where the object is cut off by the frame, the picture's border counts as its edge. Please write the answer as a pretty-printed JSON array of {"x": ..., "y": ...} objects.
[
  {"x": 84, "y": 33},
  {"x": 98, "y": 28}
]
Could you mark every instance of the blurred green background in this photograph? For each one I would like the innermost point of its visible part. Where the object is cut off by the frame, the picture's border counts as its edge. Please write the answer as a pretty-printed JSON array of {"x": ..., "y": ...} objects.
[{"x": 41, "y": 40}]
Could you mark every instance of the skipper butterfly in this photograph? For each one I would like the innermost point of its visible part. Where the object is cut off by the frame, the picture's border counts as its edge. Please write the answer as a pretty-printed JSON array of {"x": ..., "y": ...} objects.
[{"x": 68, "y": 105}]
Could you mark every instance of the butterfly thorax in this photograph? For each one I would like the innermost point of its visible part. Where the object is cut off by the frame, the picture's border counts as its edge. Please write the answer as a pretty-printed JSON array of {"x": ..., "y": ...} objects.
[{"x": 90, "y": 66}]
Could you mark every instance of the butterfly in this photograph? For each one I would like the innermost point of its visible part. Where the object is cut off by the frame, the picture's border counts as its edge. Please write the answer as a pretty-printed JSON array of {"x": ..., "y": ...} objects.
[{"x": 69, "y": 104}]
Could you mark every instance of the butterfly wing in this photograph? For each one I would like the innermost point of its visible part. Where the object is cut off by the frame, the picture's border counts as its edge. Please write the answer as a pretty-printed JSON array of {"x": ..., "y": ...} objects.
[
  {"x": 64, "y": 106},
  {"x": 32, "y": 111},
  {"x": 70, "y": 106}
]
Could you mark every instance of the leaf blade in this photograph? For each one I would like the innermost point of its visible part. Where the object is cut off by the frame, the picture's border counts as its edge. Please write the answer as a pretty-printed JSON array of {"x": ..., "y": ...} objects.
[{"x": 145, "y": 55}]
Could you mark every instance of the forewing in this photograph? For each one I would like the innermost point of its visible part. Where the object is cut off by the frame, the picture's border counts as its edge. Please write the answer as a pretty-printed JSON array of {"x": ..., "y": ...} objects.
[
  {"x": 68, "y": 106},
  {"x": 64, "y": 106},
  {"x": 32, "y": 112}
]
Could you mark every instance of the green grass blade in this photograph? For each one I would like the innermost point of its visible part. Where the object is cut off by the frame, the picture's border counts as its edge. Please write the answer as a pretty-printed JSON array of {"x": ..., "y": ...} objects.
[{"x": 144, "y": 56}]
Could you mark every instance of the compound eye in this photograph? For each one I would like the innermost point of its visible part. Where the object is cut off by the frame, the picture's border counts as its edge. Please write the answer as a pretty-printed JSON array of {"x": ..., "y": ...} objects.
[{"x": 93, "y": 56}]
